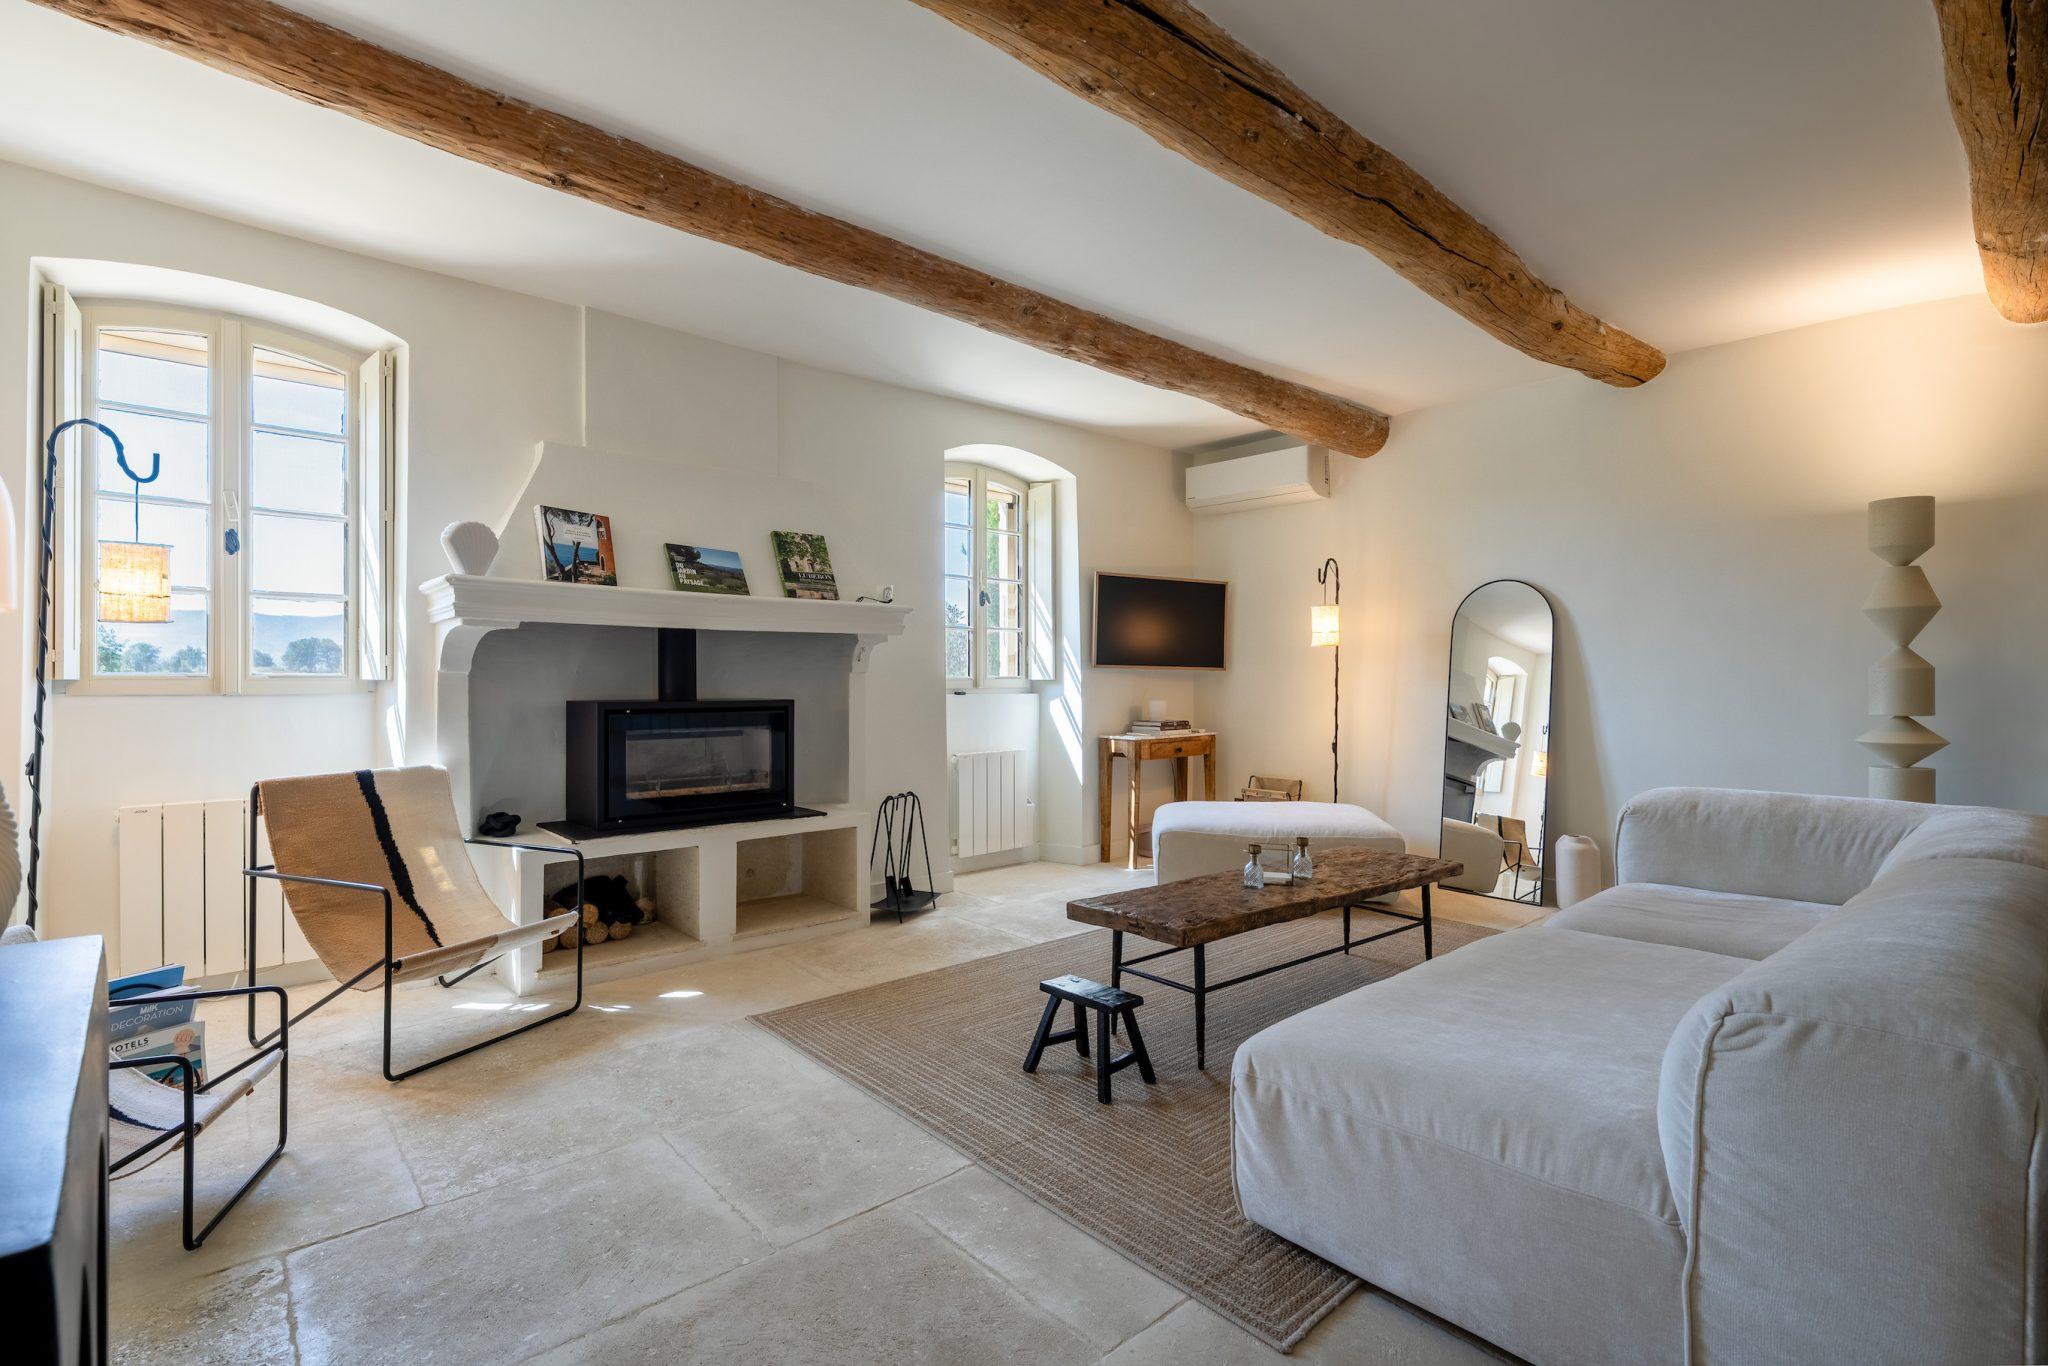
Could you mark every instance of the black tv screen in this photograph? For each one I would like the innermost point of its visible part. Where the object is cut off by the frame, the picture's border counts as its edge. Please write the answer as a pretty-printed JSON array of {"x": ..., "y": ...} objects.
[{"x": 1145, "y": 623}]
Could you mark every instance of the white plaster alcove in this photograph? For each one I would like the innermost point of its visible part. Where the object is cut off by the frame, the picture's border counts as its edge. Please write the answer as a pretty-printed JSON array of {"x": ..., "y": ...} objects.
[{"x": 511, "y": 649}]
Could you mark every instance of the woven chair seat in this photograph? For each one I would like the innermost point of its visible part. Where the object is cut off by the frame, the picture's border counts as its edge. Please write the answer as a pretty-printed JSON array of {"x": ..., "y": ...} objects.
[{"x": 139, "y": 1109}]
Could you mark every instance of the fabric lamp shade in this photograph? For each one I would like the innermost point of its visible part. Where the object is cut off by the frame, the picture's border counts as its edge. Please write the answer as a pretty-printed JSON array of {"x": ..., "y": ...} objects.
[
  {"x": 1322, "y": 624},
  {"x": 135, "y": 581}
]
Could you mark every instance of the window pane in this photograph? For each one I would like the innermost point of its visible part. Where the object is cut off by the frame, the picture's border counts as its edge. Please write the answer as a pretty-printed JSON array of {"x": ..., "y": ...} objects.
[
  {"x": 1005, "y": 655},
  {"x": 286, "y": 391},
  {"x": 1005, "y": 606},
  {"x": 958, "y": 503},
  {"x": 297, "y": 555},
  {"x": 182, "y": 473},
  {"x": 1005, "y": 510},
  {"x": 153, "y": 368},
  {"x": 959, "y": 552},
  {"x": 289, "y": 636},
  {"x": 183, "y": 529},
  {"x": 1005, "y": 553},
  {"x": 169, "y": 648},
  {"x": 959, "y": 653},
  {"x": 959, "y": 602},
  {"x": 299, "y": 474}
]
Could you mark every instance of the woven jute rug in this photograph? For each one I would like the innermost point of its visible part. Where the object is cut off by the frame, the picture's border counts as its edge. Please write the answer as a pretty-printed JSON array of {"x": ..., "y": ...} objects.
[{"x": 1148, "y": 1174}]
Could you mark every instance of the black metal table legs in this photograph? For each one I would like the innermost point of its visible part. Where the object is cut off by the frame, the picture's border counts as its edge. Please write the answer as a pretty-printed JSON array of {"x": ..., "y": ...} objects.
[{"x": 1121, "y": 967}]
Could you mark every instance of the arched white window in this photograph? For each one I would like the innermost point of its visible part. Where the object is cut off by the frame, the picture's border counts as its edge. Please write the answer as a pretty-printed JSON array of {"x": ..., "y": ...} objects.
[
  {"x": 271, "y": 500},
  {"x": 987, "y": 542}
]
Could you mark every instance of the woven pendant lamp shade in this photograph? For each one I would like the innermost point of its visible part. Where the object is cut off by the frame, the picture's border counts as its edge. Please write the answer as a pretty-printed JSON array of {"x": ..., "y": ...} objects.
[
  {"x": 1322, "y": 624},
  {"x": 135, "y": 581}
]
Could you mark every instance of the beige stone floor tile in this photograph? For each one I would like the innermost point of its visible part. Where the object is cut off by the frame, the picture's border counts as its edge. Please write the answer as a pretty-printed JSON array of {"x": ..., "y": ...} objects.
[
  {"x": 811, "y": 1154},
  {"x": 616, "y": 1158},
  {"x": 1026, "y": 880},
  {"x": 521, "y": 1108},
  {"x": 883, "y": 953},
  {"x": 519, "y": 1268},
  {"x": 341, "y": 1170},
  {"x": 1062, "y": 1270},
  {"x": 232, "y": 1317},
  {"x": 713, "y": 1072},
  {"x": 885, "y": 1287}
]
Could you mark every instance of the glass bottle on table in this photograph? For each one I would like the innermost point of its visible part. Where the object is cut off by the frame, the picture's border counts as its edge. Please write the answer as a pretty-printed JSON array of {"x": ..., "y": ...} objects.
[
  {"x": 1303, "y": 867},
  {"x": 1254, "y": 871}
]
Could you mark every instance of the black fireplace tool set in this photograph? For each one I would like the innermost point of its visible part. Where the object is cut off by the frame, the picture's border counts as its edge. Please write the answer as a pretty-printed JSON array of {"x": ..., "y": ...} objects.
[{"x": 899, "y": 822}]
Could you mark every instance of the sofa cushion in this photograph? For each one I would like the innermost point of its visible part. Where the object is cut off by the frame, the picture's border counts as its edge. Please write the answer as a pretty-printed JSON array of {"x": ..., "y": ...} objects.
[
  {"x": 1974, "y": 832},
  {"x": 1477, "y": 1136},
  {"x": 1537, "y": 1050},
  {"x": 1760, "y": 843},
  {"x": 1731, "y": 923},
  {"x": 1276, "y": 823}
]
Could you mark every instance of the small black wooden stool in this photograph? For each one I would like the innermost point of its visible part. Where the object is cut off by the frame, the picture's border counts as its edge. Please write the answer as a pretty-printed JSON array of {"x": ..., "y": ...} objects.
[{"x": 1108, "y": 1003}]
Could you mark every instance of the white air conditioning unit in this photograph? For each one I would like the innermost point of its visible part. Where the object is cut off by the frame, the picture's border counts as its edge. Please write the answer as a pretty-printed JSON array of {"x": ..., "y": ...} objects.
[{"x": 1294, "y": 474}]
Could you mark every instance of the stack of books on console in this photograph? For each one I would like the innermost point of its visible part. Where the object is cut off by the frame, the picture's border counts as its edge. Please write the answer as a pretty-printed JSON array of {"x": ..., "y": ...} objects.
[{"x": 1159, "y": 727}]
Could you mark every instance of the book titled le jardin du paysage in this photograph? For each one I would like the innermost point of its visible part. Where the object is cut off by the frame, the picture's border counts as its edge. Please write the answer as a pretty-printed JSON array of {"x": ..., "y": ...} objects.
[
  {"x": 700, "y": 569},
  {"x": 576, "y": 547},
  {"x": 804, "y": 565}
]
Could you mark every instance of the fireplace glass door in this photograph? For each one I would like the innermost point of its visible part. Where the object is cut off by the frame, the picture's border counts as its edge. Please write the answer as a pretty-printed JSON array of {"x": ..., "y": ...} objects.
[{"x": 665, "y": 762}]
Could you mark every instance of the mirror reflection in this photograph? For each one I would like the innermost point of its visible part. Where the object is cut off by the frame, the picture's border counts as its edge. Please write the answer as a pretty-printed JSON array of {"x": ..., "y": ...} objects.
[{"x": 1497, "y": 741}]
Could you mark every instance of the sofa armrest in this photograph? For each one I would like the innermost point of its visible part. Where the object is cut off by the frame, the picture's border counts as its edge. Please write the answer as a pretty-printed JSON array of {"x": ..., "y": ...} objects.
[
  {"x": 1853, "y": 1136},
  {"x": 1478, "y": 848},
  {"x": 1777, "y": 844}
]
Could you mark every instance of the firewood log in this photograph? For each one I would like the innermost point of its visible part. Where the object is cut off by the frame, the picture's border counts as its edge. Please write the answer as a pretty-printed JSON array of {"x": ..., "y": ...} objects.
[
  {"x": 596, "y": 932},
  {"x": 621, "y": 931}
]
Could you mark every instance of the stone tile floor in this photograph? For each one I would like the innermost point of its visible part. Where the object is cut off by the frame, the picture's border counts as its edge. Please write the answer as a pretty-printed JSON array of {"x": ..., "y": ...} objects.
[{"x": 655, "y": 1180}]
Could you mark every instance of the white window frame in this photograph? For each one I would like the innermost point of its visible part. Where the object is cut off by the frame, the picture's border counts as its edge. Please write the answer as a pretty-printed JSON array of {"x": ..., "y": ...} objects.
[
  {"x": 979, "y": 477},
  {"x": 231, "y": 341}
]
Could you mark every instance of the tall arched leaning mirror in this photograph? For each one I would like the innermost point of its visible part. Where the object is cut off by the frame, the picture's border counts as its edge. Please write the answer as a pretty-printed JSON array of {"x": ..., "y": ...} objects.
[{"x": 1497, "y": 741}]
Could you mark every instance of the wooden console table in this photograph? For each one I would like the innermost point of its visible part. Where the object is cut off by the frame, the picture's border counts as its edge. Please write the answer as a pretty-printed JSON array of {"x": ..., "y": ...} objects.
[{"x": 1179, "y": 746}]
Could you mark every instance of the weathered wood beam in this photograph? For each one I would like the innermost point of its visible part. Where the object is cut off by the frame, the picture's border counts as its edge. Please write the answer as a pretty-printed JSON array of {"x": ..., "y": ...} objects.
[
  {"x": 1165, "y": 67},
  {"x": 334, "y": 69},
  {"x": 1996, "y": 56}
]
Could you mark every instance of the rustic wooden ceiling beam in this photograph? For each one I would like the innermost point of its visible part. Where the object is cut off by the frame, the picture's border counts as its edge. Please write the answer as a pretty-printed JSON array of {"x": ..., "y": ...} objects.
[
  {"x": 1996, "y": 56},
  {"x": 334, "y": 69},
  {"x": 1165, "y": 67}
]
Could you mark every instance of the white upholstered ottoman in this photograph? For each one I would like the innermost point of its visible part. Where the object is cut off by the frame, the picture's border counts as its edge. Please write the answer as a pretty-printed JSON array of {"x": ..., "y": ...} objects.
[{"x": 1193, "y": 838}]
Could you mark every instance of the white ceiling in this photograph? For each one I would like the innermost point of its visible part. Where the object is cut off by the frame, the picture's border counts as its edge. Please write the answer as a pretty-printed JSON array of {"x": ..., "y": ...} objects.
[{"x": 1694, "y": 173}]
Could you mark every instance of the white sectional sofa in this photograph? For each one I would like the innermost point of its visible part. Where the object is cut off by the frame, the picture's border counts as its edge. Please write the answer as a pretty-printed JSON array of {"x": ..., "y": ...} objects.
[{"x": 1777, "y": 1097}]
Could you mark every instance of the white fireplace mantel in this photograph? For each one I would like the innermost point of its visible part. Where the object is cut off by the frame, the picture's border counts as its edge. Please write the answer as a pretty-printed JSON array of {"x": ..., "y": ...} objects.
[{"x": 464, "y": 608}]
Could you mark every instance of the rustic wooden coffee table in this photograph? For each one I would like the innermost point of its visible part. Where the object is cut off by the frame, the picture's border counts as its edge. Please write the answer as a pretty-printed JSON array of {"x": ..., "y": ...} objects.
[{"x": 1198, "y": 911}]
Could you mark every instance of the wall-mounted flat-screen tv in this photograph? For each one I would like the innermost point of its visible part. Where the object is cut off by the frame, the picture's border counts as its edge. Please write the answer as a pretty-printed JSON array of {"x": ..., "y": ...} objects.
[{"x": 1151, "y": 623}]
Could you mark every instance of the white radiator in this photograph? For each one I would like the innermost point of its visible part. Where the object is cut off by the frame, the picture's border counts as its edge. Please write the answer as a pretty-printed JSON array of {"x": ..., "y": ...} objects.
[
  {"x": 182, "y": 892},
  {"x": 991, "y": 809}
]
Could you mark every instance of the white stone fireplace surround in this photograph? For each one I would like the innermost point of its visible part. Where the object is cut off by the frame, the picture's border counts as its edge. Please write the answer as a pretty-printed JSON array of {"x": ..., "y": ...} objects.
[{"x": 512, "y": 649}]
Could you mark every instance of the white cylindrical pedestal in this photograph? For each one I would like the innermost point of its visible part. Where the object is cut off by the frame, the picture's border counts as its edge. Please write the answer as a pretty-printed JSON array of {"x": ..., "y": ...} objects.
[
  {"x": 1578, "y": 869},
  {"x": 1902, "y": 784}
]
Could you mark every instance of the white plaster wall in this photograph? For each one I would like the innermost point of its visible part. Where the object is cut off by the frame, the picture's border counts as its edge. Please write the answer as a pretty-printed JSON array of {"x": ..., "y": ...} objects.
[
  {"x": 490, "y": 374},
  {"x": 1702, "y": 538},
  {"x": 886, "y": 449}
]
